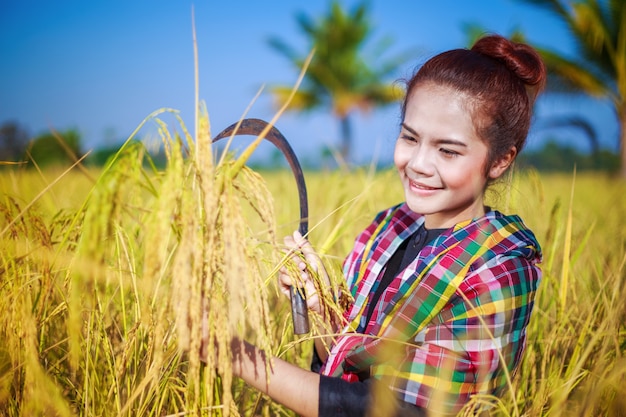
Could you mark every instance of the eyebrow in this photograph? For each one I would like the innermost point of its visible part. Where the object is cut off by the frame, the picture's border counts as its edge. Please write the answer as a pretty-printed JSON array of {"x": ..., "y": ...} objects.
[{"x": 437, "y": 141}]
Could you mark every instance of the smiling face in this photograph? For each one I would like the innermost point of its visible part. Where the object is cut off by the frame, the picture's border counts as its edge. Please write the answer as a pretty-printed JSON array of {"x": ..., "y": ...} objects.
[{"x": 441, "y": 159}]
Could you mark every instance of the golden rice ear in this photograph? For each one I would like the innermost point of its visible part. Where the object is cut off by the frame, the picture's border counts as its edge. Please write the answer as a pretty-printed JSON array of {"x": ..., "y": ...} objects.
[{"x": 225, "y": 254}]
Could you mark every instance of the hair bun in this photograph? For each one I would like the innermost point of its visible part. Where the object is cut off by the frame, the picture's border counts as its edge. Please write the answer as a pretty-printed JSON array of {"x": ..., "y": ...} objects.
[{"x": 519, "y": 58}]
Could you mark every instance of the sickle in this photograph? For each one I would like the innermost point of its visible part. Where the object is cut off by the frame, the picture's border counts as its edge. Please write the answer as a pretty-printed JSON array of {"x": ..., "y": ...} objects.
[{"x": 254, "y": 127}]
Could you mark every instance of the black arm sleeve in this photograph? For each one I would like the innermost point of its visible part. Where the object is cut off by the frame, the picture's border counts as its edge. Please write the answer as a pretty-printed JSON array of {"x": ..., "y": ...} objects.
[{"x": 340, "y": 398}]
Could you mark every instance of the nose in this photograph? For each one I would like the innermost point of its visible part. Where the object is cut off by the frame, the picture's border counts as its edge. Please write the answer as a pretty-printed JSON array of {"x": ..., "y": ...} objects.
[{"x": 421, "y": 161}]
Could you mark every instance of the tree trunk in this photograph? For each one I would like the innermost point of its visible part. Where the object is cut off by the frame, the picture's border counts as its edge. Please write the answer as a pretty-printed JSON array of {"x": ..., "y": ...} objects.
[
  {"x": 621, "y": 114},
  {"x": 346, "y": 138}
]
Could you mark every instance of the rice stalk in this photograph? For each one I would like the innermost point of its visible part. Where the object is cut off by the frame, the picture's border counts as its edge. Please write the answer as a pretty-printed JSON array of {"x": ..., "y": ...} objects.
[{"x": 566, "y": 250}]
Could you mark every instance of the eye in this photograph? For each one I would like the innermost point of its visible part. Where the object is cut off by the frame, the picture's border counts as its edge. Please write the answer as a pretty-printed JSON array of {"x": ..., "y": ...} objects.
[
  {"x": 448, "y": 153},
  {"x": 408, "y": 138}
]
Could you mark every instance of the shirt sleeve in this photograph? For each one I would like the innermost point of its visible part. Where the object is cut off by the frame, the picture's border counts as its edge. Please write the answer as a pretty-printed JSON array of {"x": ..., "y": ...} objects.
[{"x": 340, "y": 398}]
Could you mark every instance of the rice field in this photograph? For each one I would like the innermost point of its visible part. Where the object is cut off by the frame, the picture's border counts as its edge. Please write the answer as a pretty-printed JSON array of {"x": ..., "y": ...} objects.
[{"x": 107, "y": 278}]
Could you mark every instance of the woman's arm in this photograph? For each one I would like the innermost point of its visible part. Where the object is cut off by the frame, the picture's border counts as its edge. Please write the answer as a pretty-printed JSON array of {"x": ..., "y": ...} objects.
[
  {"x": 301, "y": 391},
  {"x": 286, "y": 383}
]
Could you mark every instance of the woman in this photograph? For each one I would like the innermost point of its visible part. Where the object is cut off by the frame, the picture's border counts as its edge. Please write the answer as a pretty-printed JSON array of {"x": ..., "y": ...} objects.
[{"x": 442, "y": 285}]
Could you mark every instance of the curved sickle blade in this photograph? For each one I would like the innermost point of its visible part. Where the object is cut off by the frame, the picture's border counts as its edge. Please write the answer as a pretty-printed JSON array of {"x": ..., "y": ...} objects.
[{"x": 254, "y": 127}]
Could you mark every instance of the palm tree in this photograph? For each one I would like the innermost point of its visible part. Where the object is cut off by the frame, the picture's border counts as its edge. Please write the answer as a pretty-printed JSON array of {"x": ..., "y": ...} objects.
[
  {"x": 339, "y": 77},
  {"x": 598, "y": 29}
]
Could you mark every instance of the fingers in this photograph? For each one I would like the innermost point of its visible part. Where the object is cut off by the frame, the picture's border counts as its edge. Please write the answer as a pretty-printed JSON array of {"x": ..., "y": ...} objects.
[
  {"x": 284, "y": 281},
  {"x": 310, "y": 256},
  {"x": 302, "y": 257},
  {"x": 304, "y": 246},
  {"x": 303, "y": 263}
]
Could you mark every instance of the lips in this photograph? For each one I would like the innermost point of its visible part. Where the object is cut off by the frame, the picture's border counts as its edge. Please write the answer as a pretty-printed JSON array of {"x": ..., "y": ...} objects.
[{"x": 421, "y": 186}]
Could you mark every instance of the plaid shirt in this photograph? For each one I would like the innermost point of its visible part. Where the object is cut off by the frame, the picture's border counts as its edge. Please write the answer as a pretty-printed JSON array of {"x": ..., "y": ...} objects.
[{"x": 451, "y": 323}]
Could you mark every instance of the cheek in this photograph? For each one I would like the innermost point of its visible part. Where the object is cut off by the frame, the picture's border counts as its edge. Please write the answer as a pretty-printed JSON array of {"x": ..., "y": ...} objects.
[
  {"x": 399, "y": 157},
  {"x": 470, "y": 178}
]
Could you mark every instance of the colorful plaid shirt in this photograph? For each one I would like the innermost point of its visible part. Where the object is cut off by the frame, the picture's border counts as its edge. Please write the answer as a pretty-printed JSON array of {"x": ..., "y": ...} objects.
[{"x": 452, "y": 323}]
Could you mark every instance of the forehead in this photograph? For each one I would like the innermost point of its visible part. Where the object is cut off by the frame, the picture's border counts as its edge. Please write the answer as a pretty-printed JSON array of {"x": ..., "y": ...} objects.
[
  {"x": 429, "y": 91},
  {"x": 440, "y": 110}
]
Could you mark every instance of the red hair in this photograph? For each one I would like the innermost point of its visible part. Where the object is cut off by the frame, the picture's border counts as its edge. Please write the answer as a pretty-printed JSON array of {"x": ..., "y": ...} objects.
[{"x": 501, "y": 80}]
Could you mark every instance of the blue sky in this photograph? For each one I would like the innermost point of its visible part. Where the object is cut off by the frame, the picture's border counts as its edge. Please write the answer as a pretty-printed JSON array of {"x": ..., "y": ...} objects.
[{"x": 102, "y": 67}]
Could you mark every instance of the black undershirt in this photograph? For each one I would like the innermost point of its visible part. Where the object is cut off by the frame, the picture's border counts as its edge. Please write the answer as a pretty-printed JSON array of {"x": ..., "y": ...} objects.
[{"x": 402, "y": 257}]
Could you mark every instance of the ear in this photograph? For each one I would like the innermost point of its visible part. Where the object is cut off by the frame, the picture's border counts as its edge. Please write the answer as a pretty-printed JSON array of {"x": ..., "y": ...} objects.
[{"x": 502, "y": 164}]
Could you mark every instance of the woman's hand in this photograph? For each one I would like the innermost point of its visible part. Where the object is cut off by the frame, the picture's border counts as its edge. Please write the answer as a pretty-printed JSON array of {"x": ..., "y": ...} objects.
[
  {"x": 309, "y": 266},
  {"x": 306, "y": 261}
]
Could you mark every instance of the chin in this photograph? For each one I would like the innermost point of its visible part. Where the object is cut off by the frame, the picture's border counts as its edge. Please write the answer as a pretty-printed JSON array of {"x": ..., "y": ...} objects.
[{"x": 416, "y": 207}]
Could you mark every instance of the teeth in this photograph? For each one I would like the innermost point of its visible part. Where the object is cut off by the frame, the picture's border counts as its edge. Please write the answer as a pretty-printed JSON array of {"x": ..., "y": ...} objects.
[{"x": 423, "y": 187}]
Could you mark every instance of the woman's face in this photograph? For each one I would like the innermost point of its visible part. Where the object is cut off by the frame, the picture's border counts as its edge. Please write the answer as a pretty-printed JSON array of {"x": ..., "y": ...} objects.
[{"x": 440, "y": 158}]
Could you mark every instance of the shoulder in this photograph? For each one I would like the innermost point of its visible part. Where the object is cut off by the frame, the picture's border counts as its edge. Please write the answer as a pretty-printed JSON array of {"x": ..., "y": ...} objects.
[
  {"x": 509, "y": 253},
  {"x": 513, "y": 237}
]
